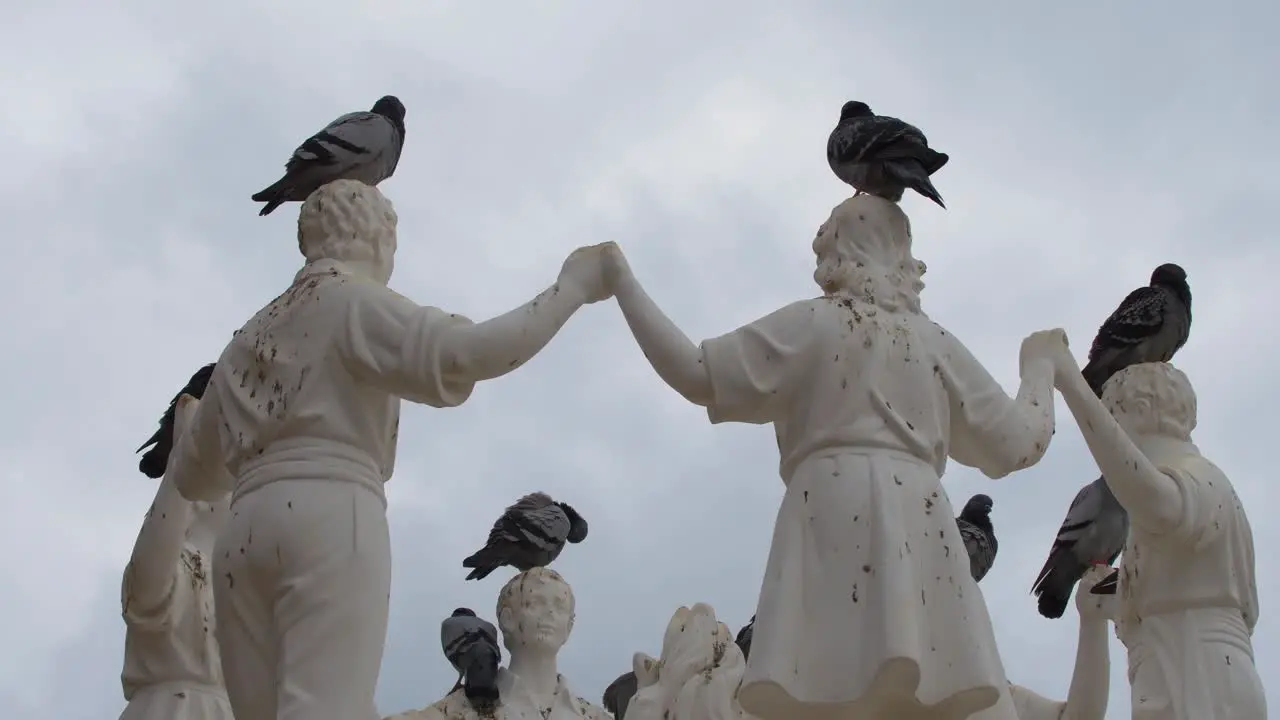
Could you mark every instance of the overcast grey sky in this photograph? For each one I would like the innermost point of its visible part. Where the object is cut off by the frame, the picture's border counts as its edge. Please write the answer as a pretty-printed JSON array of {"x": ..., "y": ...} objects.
[{"x": 1089, "y": 143}]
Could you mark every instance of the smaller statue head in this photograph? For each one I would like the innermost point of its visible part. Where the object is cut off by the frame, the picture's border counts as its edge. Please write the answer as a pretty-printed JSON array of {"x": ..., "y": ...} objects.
[
  {"x": 536, "y": 612},
  {"x": 864, "y": 251},
  {"x": 351, "y": 222},
  {"x": 1152, "y": 399}
]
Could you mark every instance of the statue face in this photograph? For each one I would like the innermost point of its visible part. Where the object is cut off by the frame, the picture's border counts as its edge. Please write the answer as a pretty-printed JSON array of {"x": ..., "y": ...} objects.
[{"x": 540, "y": 615}]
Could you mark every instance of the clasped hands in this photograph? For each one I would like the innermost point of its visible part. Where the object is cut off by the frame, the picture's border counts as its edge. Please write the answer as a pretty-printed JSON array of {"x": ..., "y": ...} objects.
[
  {"x": 593, "y": 272},
  {"x": 1047, "y": 352}
]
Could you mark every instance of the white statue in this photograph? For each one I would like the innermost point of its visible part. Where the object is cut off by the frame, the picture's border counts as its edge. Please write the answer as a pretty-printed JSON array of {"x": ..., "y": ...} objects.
[
  {"x": 1091, "y": 677},
  {"x": 697, "y": 675},
  {"x": 171, "y": 666},
  {"x": 1189, "y": 596},
  {"x": 535, "y": 617},
  {"x": 299, "y": 423},
  {"x": 867, "y": 606}
]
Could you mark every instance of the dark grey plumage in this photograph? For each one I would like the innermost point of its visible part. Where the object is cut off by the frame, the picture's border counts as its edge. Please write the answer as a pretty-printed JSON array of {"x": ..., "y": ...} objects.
[
  {"x": 155, "y": 460},
  {"x": 619, "y": 693},
  {"x": 362, "y": 146},
  {"x": 1151, "y": 325},
  {"x": 531, "y": 533},
  {"x": 882, "y": 155},
  {"x": 743, "y": 640},
  {"x": 979, "y": 536},
  {"x": 1108, "y": 585},
  {"x": 1094, "y": 533},
  {"x": 471, "y": 646}
]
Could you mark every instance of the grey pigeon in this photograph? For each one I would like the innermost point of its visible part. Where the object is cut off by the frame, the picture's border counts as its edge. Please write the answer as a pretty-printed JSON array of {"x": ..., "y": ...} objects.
[
  {"x": 743, "y": 640},
  {"x": 619, "y": 693},
  {"x": 529, "y": 534},
  {"x": 1150, "y": 325},
  {"x": 362, "y": 146},
  {"x": 979, "y": 536},
  {"x": 1094, "y": 533},
  {"x": 882, "y": 155},
  {"x": 155, "y": 460},
  {"x": 471, "y": 646}
]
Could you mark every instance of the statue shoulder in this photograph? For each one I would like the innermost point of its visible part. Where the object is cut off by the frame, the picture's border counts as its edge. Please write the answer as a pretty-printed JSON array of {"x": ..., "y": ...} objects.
[
  {"x": 446, "y": 708},
  {"x": 591, "y": 711}
]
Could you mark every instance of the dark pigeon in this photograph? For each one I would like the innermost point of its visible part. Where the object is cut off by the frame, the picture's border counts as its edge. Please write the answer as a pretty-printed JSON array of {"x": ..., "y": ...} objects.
[
  {"x": 743, "y": 640},
  {"x": 155, "y": 460},
  {"x": 619, "y": 693},
  {"x": 979, "y": 536},
  {"x": 882, "y": 155},
  {"x": 529, "y": 534},
  {"x": 471, "y": 646},
  {"x": 1108, "y": 585},
  {"x": 1094, "y": 533},
  {"x": 362, "y": 146},
  {"x": 1150, "y": 325}
]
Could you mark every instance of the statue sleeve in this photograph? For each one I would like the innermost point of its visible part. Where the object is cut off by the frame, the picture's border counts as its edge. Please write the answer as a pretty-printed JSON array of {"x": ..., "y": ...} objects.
[
  {"x": 393, "y": 343},
  {"x": 754, "y": 369},
  {"x": 1201, "y": 486},
  {"x": 989, "y": 430}
]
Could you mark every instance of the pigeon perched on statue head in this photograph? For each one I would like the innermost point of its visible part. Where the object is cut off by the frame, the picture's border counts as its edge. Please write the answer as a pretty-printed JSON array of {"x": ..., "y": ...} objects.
[
  {"x": 881, "y": 155},
  {"x": 531, "y": 533},
  {"x": 1094, "y": 533},
  {"x": 1151, "y": 325},
  {"x": 363, "y": 146},
  {"x": 974, "y": 522},
  {"x": 155, "y": 460},
  {"x": 471, "y": 646}
]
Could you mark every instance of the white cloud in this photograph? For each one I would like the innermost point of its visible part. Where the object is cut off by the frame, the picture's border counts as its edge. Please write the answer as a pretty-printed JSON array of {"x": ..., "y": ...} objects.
[{"x": 1082, "y": 156}]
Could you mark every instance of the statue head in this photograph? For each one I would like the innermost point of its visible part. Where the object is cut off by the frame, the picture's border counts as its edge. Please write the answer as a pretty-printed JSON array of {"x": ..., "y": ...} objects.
[
  {"x": 352, "y": 223},
  {"x": 536, "y": 612},
  {"x": 1152, "y": 399},
  {"x": 697, "y": 676},
  {"x": 864, "y": 251}
]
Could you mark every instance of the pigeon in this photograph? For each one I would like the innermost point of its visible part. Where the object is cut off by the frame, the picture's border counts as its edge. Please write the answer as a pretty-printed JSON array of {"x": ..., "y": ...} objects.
[
  {"x": 1094, "y": 533},
  {"x": 743, "y": 640},
  {"x": 471, "y": 646},
  {"x": 979, "y": 536},
  {"x": 1150, "y": 325},
  {"x": 362, "y": 146},
  {"x": 881, "y": 155},
  {"x": 529, "y": 534},
  {"x": 619, "y": 693},
  {"x": 155, "y": 460}
]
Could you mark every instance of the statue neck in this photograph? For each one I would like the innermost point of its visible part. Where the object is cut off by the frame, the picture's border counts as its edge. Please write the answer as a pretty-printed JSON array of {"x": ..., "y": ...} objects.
[
  {"x": 536, "y": 670},
  {"x": 368, "y": 269}
]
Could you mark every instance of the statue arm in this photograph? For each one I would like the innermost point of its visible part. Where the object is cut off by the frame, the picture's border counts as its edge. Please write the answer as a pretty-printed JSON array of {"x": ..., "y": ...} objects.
[
  {"x": 1152, "y": 498},
  {"x": 196, "y": 464},
  {"x": 997, "y": 434},
  {"x": 1091, "y": 678},
  {"x": 150, "y": 574},
  {"x": 671, "y": 353}
]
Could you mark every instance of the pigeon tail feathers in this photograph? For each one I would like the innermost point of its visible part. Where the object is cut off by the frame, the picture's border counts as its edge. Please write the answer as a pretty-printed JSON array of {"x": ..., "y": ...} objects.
[
  {"x": 914, "y": 175},
  {"x": 1057, "y": 579}
]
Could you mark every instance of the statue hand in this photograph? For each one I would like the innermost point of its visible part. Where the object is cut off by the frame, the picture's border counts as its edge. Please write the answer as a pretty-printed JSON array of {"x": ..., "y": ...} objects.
[
  {"x": 615, "y": 266},
  {"x": 583, "y": 273},
  {"x": 1095, "y": 607},
  {"x": 1046, "y": 347}
]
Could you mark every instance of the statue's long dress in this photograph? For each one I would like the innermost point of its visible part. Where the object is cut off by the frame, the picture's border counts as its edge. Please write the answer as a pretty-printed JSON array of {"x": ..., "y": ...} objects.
[
  {"x": 172, "y": 670},
  {"x": 867, "y": 608}
]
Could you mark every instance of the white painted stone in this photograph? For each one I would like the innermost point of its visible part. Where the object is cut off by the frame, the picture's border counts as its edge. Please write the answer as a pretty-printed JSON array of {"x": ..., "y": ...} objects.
[
  {"x": 172, "y": 670},
  {"x": 1188, "y": 587},
  {"x": 867, "y": 607},
  {"x": 299, "y": 425},
  {"x": 535, "y": 617}
]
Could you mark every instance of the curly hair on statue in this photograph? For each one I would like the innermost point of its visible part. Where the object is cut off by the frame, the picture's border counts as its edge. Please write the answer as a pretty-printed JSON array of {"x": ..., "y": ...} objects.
[{"x": 346, "y": 220}]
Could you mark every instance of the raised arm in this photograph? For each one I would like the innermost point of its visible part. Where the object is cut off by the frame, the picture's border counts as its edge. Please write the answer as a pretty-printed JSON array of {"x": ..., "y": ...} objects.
[
  {"x": 197, "y": 468},
  {"x": 997, "y": 434},
  {"x": 1091, "y": 678},
  {"x": 1151, "y": 497},
  {"x": 671, "y": 353},
  {"x": 150, "y": 572}
]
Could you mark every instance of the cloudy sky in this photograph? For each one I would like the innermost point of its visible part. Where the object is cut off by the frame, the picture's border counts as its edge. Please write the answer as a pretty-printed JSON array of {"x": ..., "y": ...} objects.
[{"x": 1088, "y": 144}]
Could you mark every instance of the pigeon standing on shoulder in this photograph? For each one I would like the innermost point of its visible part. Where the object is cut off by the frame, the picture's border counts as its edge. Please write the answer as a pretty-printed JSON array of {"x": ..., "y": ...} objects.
[
  {"x": 743, "y": 639},
  {"x": 155, "y": 460},
  {"x": 1151, "y": 325},
  {"x": 1094, "y": 533},
  {"x": 363, "y": 146},
  {"x": 882, "y": 155},
  {"x": 979, "y": 536},
  {"x": 471, "y": 646},
  {"x": 531, "y": 533}
]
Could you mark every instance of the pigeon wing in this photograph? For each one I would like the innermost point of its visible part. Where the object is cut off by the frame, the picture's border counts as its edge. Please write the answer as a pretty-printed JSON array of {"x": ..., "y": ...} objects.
[
  {"x": 358, "y": 145},
  {"x": 1140, "y": 315},
  {"x": 981, "y": 547},
  {"x": 459, "y": 635}
]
